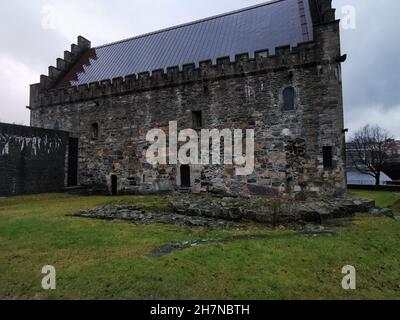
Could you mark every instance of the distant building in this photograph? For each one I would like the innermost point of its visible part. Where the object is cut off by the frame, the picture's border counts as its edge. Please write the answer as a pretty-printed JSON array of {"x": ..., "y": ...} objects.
[
  {"x": 356, "y": 177},
  {"x": 395, "y": 148}
]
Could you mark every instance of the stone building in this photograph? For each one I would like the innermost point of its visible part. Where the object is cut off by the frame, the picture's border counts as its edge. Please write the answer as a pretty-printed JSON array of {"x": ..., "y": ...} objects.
[{"x": 274, "y": 68}]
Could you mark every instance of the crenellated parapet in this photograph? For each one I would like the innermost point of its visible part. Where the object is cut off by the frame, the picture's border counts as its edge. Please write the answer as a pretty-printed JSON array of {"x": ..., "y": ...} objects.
[
  {"x": 63, "y": 65},
  {"x": 284, "y": 58},
  {"x": 55, "y": 88}
]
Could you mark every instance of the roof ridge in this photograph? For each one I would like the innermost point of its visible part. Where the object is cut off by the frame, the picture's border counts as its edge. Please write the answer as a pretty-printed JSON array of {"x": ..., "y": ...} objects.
[{"x": 192, "y": 23}]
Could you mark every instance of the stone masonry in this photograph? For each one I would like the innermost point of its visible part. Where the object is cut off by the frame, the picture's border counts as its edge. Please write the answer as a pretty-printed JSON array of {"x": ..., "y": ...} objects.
[{"x": 242, "y": 94}]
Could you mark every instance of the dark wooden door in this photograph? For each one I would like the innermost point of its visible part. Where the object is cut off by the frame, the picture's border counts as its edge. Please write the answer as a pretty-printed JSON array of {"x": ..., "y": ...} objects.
[
  {"x": 73, "y": 162},
  {"x": 114, "y": 185},
  {"x": 185, "y": 176}
]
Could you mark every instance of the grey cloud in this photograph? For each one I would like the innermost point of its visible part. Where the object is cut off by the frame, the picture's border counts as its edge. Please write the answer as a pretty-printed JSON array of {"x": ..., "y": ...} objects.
[
  {"x": 24, "y": 39},
  {"x": 371, "y": 74}
]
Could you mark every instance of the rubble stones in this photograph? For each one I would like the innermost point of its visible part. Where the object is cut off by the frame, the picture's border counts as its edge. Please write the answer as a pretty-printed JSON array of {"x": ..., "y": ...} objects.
[
  {"x": 206, "y": 211},
  {"x": 122, "y": 211},
  {"x": 269, "y": 211},
  {"x": 307, "y": 231},
  {"x": 381, "y": 212}
]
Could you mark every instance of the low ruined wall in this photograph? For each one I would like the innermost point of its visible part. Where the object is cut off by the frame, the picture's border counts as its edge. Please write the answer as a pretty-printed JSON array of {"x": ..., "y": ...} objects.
[{"x": 32, "y": 160}]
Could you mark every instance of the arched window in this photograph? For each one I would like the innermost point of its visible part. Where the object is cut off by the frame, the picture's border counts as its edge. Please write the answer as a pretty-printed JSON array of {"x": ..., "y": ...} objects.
[{"x": 288, "y": 99}]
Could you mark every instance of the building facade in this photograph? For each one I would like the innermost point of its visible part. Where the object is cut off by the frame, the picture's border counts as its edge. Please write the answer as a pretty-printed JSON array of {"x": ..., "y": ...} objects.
[{"x": 274, "y": 68}]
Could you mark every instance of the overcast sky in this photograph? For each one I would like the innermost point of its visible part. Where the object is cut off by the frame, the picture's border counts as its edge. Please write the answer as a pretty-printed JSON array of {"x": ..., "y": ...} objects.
[{"x": 34, "y": 33}]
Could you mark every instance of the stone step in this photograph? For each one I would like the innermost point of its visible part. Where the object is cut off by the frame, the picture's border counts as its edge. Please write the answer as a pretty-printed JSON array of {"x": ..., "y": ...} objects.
[
  {"x": 75, "y": 188},
  {"x": 184, "y": 190}
]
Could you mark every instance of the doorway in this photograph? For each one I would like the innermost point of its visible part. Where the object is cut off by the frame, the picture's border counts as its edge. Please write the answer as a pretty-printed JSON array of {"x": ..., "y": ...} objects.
[
  {"x": 114, "y": 185},
  {"x": 185, "y": 176},
  {"x": 73, "y": 144}
]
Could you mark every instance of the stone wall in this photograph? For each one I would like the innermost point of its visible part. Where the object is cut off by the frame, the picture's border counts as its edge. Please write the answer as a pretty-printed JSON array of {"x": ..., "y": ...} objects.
[
  {"x": 243, "y": 94},
  {"x": 32, "y": 160}
]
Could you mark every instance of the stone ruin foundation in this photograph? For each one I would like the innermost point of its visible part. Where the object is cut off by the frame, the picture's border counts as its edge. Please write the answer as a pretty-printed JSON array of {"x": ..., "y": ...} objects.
[{"x": 222, "y": 212}]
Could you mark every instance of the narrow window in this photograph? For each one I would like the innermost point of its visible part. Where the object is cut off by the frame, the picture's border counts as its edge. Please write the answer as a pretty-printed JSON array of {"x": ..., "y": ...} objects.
[
  {"x": 339, "y": 73},
  {"x": 288, "y": 99},
  {"x": 328, "y": 157},
  {"x": 94, "y": 131},
  {"x": 197, "y": 120}
]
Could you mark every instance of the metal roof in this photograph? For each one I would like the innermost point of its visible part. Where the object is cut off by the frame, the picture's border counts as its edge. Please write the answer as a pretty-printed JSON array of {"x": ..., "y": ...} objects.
[{"x": 265, "y": 26}]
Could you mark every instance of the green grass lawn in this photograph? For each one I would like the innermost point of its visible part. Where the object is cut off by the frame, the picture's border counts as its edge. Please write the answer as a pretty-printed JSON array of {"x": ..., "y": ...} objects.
[{"x": 104, "y": 260}]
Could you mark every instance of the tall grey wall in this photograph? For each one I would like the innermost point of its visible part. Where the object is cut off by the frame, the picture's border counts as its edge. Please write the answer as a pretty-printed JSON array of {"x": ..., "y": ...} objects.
[{"x": 32, "y": 160}]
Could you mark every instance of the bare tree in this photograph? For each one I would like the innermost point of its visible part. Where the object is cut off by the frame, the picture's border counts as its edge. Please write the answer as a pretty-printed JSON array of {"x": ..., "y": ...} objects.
[{"x": 369, "y": 150}]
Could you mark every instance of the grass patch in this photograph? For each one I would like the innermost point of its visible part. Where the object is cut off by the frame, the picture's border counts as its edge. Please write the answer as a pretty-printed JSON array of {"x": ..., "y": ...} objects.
[
  {"x": 383, "y": 199},
  {"x": 104, "y": 260}
]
